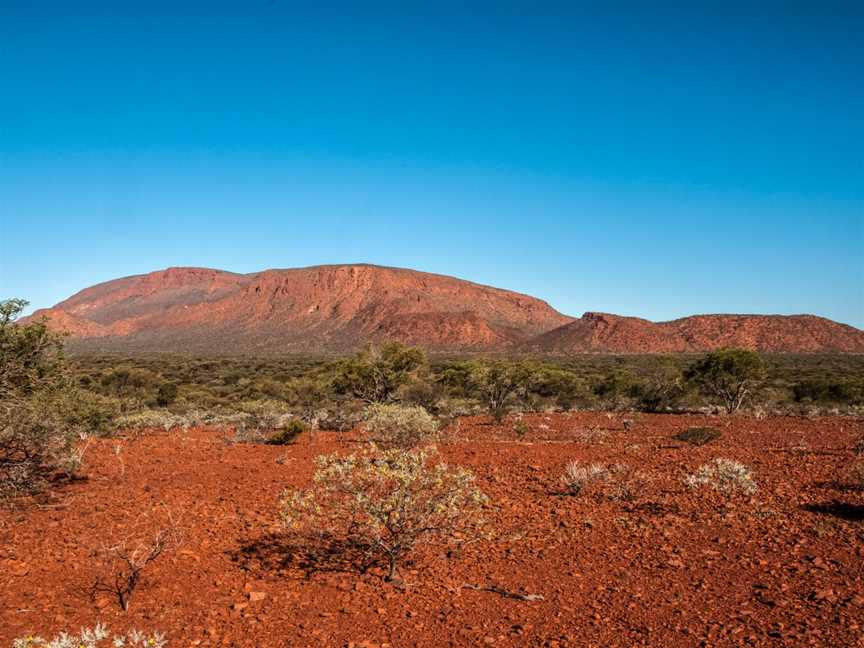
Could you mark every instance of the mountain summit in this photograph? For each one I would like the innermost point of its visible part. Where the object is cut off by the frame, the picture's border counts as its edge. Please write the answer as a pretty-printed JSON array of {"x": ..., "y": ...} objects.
[{"x": 340, "y": 307}]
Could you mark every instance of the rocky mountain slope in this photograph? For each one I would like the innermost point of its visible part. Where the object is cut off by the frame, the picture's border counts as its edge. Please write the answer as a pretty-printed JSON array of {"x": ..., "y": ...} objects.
[
  {"x": 312, "y": 309},
  {"x": 340, "y": 307},
  {"x": 601, "y": 332}
]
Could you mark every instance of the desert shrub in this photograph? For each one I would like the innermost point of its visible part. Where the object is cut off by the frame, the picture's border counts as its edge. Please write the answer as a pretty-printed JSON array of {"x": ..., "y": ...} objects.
[
  {"x": 520, "y": 429},
  {"x": 306, "y": 394},
  {"x": 564, "y": 387},
  {"x": 96, "y": 637},
  {"x": 149, "y": 420},
  {"x": 858, "y": 446},
  {"x": 265, "y": 414},
  {"x": 498, "y": 384},
  {"x": 662, "y": 388},
  {"x": 578, "y": 477},
  {"x": 35, "y": 446},
  {"x": 618, "y": 389},
  {"x": 730, "y": 376},
  {"x": 827, "y": 390},
  {"x": 38, "y": 437},
  {"x": 166, "y": 394},
  {"x": 400, "y": 426},
  {"x": 724, "y": 475},
  {"x": 456, "y": 378},
  {"x": 87, "y": 411},
  {"x": 423, "y": 392},
  {"x": 339, "y": 419},
  {"x": 131, "y": 383},
  {"x": 383, "y": 504},
  {"x": 698, "y": 436},
  {"x": 289, "y": 432},
  {"x": 376, "y": 373}
]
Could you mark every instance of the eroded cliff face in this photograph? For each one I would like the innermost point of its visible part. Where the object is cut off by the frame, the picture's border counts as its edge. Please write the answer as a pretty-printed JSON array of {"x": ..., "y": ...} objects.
[
  {"x": 339, "y": 307},
  {"x": 308, "y": 309}
]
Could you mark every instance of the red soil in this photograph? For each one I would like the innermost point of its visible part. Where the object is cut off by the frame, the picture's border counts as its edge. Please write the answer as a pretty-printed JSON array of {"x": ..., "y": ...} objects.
[{"x": 669, "y": 568}]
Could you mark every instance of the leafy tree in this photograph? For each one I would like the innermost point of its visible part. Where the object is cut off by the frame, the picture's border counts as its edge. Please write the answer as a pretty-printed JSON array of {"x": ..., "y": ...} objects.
[
  {"x": 497, "y": 384},
  {"x": 663, "y": 386},
  {"x": 564, "y": 386},
  {"x": 35, "y": 439},
  {"x": 376, "y": 373},
  {"x": 729, "y": 375},
  {"x": 618, "y": 387}
]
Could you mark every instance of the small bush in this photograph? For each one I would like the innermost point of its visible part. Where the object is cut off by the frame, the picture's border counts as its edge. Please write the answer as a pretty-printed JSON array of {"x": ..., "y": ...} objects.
[
  {"x": 339, "y": 419},
  {"x": 520, "y": 428},
  {"x": 265, "y": 414},
  {"x": 166, "y": 394},
  {"x": 149, "y": 420},
  {"x": 400, "y": 426},
  {"x": 698, "y": 436},
  {"x": 383, "y": 504},
  {"x": 96, "y": 637},
  {"x": 724, "y": 475},
  {"x": 577, "y": 477},
  {"x": 287, "y": 435}
]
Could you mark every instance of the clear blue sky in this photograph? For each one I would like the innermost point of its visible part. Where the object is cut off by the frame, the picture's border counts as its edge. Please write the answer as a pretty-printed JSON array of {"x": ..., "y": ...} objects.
[{"x": 644, "y": 160}]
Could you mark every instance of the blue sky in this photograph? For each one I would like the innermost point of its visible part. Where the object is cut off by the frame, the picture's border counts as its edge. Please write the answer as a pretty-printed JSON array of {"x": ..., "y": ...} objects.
[{"x": 645, "y": 159}]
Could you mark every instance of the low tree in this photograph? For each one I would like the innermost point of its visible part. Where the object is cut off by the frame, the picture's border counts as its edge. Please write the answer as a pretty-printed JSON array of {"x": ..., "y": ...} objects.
[
  {"x": 166, "y": 394},
  {"x": 497, "y": 384},
  {"x": 618, "y": 388},
  {"x": 729, "y": 375},
  {"x": 564, "y": 386},
  {"x": 662, "y": 387},
  {"x": 376, "y": 373},
  {"x": 383, "y": 504}
]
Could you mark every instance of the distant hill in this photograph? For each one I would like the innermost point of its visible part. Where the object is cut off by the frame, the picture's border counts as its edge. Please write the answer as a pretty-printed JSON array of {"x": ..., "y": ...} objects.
[
  {"x": 601, "y": 332},
  {"x": 340, "y": 307}
]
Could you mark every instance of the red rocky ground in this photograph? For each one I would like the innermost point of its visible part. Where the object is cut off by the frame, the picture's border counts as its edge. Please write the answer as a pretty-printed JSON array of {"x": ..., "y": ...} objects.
[{"x": 667, "y": 568}]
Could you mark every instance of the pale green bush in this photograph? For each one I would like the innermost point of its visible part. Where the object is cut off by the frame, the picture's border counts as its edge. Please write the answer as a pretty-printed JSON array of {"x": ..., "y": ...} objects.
[
  {"x": 150, "y": 420},
  {"x": 97, "y": 637},
  {"x": 724, "y": 475},
  {"x": 384, "y": 503},
  {"x": 577, "y": 477},
  {"x": 400, "y": 426}
]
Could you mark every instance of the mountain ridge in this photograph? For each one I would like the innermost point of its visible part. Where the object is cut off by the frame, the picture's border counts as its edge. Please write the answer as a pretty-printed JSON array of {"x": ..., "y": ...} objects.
[{"x": 339, "y": 307}]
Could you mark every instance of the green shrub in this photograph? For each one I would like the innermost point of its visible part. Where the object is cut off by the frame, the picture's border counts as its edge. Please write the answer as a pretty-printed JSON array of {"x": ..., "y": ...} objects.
[
  {"x": 698, "y": 436},
  {"x": 166, "y": 394},
  {"x": 618, "y": 389},
  {"x": 289, "y": 432},
  {"x": 383, "y": 504},
  {"x": 499, "y": 384},
  {"x": 38, "y": 437}
]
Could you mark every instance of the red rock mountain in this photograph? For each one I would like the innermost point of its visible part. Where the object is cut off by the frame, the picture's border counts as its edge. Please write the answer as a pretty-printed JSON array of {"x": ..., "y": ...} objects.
[
  {"x": 600, "y": 332},
  {"x": 339, "y": 307},
  {"x": 321, "y": 308}
]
